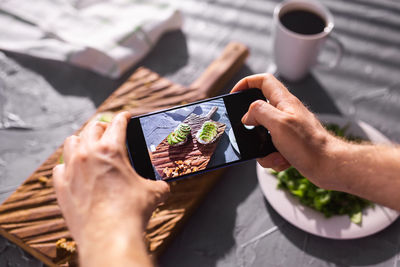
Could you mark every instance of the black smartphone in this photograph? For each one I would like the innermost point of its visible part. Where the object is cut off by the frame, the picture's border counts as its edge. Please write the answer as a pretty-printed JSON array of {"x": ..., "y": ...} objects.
[{"x": 182, "y": 141}]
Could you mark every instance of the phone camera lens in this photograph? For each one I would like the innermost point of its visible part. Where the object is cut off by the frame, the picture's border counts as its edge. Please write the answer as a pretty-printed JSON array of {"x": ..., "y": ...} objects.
[{"x": 249, "y": 127}]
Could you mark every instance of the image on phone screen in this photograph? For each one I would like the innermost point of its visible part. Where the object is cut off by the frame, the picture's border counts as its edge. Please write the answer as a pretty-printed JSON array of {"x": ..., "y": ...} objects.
[{"x": 190, "y": 139}]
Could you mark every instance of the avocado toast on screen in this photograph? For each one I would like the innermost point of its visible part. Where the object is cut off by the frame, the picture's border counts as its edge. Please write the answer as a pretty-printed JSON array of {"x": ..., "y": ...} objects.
[{"x": 180, "y": 135}]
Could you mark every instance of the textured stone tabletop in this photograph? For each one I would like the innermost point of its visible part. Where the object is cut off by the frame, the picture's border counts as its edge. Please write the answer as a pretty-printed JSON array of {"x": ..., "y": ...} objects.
[{"x": 46, "y": 101}]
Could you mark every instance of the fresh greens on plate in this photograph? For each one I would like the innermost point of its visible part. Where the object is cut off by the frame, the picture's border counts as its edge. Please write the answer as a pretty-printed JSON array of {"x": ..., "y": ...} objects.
[{"x": 328, "y": 202}]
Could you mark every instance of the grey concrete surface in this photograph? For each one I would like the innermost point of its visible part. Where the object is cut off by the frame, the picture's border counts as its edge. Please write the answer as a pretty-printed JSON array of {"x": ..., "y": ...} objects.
[{"x": 53, "y": 99}]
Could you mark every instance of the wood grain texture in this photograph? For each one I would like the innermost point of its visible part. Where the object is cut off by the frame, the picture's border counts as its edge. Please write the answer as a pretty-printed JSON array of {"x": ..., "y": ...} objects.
[{"x": 31, "y": 217}]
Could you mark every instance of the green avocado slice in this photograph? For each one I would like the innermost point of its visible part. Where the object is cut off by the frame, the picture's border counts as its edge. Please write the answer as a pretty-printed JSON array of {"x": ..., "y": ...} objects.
[
  {"x": 179, "y": 135},
  {"x": 169, "y": 139},
  {"x": 179, "y": 138},
  {"x": 208, "y": 131},
  {"x": 174, "y": 140}
]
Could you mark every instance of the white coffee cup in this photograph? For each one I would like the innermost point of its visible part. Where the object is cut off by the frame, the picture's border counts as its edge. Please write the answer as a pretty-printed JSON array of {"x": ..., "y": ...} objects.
[{"x": 295, "y": 53}]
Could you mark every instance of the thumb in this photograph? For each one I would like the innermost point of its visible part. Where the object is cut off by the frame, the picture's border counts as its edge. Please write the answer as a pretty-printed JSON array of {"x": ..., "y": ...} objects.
[
  {"x": 262, "y": 113},
  {"x": 59, "y": 185},
  {"x": 160, "y": 189},
  {"x": 58, "y": 178}
]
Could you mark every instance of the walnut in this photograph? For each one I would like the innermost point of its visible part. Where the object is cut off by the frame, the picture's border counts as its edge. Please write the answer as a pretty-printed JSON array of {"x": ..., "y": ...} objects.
[
  {"x": 43, "y": 180},
  {"x": 167, "y": 171},
  {"x": 66, "y": 253},
  {"x": 181, "y": 167},
  {"x": 67, "y": 245}
]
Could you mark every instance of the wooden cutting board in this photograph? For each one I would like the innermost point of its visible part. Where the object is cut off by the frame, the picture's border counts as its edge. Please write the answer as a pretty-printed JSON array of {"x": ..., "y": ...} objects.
[
  {"x": 31, "y": 218},
  {"x": 191, "y": 156}
]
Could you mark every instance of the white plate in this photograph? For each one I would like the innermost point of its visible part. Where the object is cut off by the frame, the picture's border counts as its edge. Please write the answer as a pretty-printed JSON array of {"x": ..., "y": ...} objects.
[{"x": 337, "y": 227}]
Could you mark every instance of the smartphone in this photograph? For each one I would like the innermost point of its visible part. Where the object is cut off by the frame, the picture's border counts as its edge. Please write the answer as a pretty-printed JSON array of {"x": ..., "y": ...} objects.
[{"x": 182, "y": 141}]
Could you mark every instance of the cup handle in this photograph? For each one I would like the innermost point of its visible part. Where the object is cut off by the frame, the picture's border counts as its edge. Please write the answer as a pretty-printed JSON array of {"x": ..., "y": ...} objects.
[{"x": 339, "y": 47}]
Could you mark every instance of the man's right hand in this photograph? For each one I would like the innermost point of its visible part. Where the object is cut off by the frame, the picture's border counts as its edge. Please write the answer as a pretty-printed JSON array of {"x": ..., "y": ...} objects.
[
  {"x": 297, "y": 134},
  {"x": 367, "y": 170}
]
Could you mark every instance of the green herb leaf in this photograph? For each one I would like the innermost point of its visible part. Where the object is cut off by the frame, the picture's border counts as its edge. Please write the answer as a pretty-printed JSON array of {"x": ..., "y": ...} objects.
[
  {"x": 328, "y": 202},
  {"x": 356, "y": 217}
]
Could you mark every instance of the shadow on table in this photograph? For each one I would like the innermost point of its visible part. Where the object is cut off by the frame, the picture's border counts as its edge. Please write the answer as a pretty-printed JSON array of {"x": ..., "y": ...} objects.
[
  {"x": 309, "y": 91},
  {"x": 168, "y": 55},
  {"x": 312, "y": 94},
  {"x": 208, "y": 235},
  {"x": 243, "y": 72},
  {"x": 378, "y": 248},
  {"x": 68, "y": 79}
]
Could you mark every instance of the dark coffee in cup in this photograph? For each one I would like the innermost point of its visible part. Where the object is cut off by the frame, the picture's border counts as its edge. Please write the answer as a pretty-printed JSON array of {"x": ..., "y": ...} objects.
[
  {"x": 300, "y": 29},
  {"x": 303, "y": 22}
]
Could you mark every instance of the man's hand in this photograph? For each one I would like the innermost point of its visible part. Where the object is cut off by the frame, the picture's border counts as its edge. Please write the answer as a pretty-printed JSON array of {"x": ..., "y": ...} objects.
[
  {"x": 106, "y": 204},
  {"x": 369, "y": 171},
  {"x": 297, "y": 134}
]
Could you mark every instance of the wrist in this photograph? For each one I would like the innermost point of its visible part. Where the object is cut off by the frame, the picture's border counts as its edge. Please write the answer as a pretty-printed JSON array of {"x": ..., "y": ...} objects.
[
  {"x": 106, "y": 246},
  {"x": 327, "y": 173}
]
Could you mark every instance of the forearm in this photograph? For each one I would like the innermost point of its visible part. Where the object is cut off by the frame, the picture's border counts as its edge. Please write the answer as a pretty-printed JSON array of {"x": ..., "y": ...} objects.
[{"x": 369, "y": 171}]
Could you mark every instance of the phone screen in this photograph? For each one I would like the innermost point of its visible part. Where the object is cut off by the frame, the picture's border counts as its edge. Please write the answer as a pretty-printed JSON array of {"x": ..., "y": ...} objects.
[
  {"x": 188, "y": 139},
  {"x": 193, "y": 138}
]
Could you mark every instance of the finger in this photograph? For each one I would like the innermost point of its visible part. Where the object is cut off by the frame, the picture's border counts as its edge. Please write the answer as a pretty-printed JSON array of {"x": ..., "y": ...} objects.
[
  {"x": 281, "y": 168},
  {"x": 275, "y": 161},
  {"x": 58, "y": 177},
  {"x": 272, "y": 89},
  {"x": 161, "y": 190},
  {"x": 116, "y": 131},
  {"x": 60, "y": 185},
  {"x": 252, "y": 81},
  {"x": 70, "y": 145},
  {"x": 262, "y": 113},
  {"x": 93, "y": 131}
]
